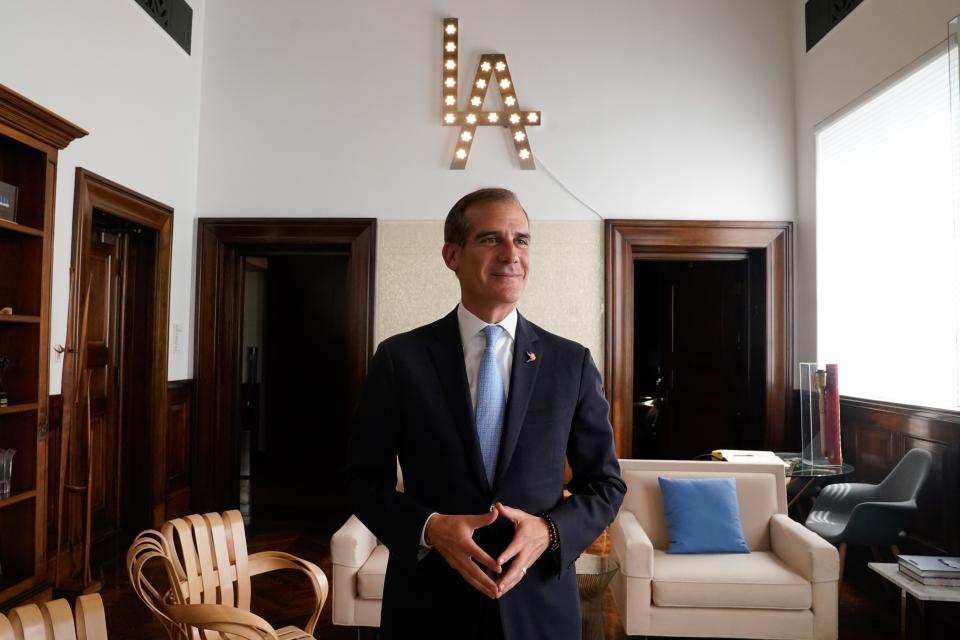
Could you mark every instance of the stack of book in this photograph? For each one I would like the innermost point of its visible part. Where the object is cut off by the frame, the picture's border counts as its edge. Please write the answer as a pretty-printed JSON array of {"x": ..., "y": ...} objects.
[{"x": 936, "y": 571}]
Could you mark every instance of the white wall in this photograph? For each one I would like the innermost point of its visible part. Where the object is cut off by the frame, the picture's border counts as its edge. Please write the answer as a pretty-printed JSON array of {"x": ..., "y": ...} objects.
[
  {"x": 680, "y": 109},
  {"x": 876, "y": 40},
  {"x": 109, "y": 68}
]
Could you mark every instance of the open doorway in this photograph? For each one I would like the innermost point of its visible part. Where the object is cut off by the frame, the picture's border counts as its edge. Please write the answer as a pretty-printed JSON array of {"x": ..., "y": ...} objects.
[
  {"x": 314, "y": 279},
  {"x": 760, "y": 255},
  {"x": 694, "y": 351},
  {"x": 294, "y": 395},
  {"x": 113, "y": 477}
]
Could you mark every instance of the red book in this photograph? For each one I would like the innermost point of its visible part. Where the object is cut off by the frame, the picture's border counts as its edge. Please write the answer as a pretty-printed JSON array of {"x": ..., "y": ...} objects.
[{"x": 831, "y": 411}]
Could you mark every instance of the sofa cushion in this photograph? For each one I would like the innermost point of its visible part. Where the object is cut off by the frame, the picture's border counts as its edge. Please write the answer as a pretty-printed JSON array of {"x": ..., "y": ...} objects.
[
  {"x": 702, "y": 515},
  {"x": 757, "y": 580},
  {"x": 371, "y": 574}
]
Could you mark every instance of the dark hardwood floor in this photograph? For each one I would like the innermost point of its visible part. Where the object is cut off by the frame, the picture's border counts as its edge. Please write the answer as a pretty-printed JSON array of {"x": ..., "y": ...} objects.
[{"x": 868, "y": 611}]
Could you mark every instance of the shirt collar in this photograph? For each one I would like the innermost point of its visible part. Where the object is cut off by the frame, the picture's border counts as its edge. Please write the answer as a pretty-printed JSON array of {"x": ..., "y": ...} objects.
[{"x": 471, "y": 325}]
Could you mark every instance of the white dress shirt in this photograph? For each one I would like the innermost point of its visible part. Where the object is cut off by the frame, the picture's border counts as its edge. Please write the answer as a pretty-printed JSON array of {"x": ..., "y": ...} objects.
[{"x": 474, "y": 343}]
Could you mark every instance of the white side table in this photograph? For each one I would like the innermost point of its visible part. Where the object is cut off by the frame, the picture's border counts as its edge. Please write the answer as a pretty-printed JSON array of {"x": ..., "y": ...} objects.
[{"x": 922, "y": 592}]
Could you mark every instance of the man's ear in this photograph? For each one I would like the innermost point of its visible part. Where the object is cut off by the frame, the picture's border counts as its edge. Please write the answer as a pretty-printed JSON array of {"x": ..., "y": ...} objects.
[{"x": 451, "y": 255}]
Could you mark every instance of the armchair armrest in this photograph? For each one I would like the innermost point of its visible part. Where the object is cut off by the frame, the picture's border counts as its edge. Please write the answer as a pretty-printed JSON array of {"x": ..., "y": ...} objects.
[
  {"x": 273, "y": 560},
  {"x": 632, "y": 546},
  {"x": 803, "y": 551},
  {"x": 218, "y": 617},
  {"x": 352, "y": 544}
]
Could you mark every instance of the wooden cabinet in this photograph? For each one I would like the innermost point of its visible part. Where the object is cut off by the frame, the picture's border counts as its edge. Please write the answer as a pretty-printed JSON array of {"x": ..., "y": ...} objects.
[{"x": 30, "y": 137}]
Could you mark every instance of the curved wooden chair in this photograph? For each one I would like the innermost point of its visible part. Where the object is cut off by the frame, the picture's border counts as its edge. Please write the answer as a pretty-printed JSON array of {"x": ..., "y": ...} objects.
[
  {"x": 206, "y": 563},
  {"x": 55, "y": 621}
]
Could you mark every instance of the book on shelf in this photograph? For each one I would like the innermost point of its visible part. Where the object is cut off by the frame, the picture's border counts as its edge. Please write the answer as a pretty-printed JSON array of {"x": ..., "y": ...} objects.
[{"x": 930, "y": 566}]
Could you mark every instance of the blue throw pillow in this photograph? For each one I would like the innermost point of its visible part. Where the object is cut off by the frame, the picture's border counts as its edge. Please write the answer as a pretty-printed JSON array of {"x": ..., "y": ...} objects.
[{"x": 702, "y": 515}]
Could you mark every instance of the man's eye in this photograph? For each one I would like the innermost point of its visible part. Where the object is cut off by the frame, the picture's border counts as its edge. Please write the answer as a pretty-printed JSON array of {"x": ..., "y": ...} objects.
[{"x": 523, "y": 242}]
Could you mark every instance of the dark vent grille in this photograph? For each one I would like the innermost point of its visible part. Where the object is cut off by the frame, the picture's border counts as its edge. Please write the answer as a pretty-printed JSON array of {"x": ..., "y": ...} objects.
[
  {"x": 174, "y": 16},
  {"x": 823, "y": 15}
]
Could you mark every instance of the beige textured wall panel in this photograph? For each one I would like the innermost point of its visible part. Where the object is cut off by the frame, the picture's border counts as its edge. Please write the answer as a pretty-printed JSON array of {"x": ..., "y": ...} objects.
[{"x": 564, "y": 294}]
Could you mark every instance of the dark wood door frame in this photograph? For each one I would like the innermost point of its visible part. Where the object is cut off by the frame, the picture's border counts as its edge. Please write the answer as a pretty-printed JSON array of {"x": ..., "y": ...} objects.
[
  {"x": 95, "y": 193},
  {"x": 222, "y": 244},
  {"x": 628, "y": 240}
]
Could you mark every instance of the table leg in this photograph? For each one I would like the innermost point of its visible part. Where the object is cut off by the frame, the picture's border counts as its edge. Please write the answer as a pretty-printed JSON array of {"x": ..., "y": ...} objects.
[
  {"x": 903, "y": 614},
  {"x": 803, "y": 490}
]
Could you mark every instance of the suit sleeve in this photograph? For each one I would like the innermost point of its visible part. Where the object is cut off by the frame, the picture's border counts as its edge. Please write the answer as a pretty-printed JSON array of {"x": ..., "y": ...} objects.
[
  {"x": 596, "y": 487},
  {"x": 371, "y": 470}
]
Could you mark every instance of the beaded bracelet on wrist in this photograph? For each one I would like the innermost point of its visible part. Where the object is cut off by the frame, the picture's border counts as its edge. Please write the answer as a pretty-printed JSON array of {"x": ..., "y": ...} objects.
[{"x": 554, "y": 532}]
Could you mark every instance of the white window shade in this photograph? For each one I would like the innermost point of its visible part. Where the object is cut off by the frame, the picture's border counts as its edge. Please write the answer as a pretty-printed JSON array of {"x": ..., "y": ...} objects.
[{"x": 887, "y": 243}]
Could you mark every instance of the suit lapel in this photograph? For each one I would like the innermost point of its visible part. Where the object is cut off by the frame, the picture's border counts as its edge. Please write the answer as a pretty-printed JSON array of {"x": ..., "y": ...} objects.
[
  {"x": 447, "y": 354},
  {"x": 523, "y": 376}
]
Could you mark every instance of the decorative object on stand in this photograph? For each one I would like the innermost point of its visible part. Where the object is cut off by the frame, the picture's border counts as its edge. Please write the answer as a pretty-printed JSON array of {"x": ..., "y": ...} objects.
[
  {"x": 6, "y": 471},
  {"x": 6, "y": 311},
  {"x": 5, "y": 363},
  {"x": 819, "y": 416},
  {"x": 511, "y": 116},
  {"x": 8, "y": 202}
]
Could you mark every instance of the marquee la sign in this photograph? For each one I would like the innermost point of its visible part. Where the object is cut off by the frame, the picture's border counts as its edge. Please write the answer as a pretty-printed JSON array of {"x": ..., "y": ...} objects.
[{"x": 492, "y": 69}]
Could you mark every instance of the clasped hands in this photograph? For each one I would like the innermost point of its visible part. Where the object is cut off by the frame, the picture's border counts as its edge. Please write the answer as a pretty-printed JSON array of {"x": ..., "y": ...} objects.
[{"x": 452, "y": 537}]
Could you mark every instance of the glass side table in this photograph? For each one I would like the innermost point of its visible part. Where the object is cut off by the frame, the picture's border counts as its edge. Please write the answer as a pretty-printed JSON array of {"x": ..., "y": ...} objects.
[{"x": 594, "y": 573}]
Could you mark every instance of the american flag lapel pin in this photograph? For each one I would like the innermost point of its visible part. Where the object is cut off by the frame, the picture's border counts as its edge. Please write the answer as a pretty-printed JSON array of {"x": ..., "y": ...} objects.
[{"x": 531, "y": 356}]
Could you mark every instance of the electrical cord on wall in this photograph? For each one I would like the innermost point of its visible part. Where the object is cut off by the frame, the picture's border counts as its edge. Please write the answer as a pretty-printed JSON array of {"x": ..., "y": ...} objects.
[{"x": 543, "y": 166}]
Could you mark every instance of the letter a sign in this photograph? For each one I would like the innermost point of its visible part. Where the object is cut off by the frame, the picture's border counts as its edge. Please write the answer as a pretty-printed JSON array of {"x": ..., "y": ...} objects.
[{"x": 492, "y": 68}]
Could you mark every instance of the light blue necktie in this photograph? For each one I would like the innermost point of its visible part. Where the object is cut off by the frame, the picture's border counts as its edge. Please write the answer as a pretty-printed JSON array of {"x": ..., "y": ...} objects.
[{"x": 490, "y": 402}]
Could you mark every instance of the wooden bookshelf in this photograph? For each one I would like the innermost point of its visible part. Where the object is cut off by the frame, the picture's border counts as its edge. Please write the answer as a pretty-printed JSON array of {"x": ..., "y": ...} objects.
[{"x": 30, "y": 139}]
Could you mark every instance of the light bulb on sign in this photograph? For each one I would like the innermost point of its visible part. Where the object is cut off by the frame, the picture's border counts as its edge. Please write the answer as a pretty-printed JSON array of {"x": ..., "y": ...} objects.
[
  {"x": 519, "y": 136},
  {"x": 451, "y": 29},
  {"x": 471, "y": 119},
  {"x": 504, "y": 84},
  {"x": 450, "y": 83},
  {"x": 485, "y": 66},
  {"x": 476, "y": 101},
  {"x": 501, "y": 66},
  {"x": 466, "y": 136},
  {"x": 509, "y": 101},
  {"x": 451, "y": 47},
  {"x": 492, "y": 117},
  {"x": 514, "y": 118},
  {"x": 450, "y": 118},
  {"x": 524, "y": 154},
  {"x": 450, "y": 101},
  {"x": 481, "y": 84},
  {"x": 532, "y": 117},
  {"x": 450, "y": 64},
  {"x": 461, "y": 154}
]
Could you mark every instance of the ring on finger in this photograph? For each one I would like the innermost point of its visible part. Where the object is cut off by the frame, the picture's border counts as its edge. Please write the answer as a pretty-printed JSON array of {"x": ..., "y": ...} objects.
[{"x": 523, "y": 570}]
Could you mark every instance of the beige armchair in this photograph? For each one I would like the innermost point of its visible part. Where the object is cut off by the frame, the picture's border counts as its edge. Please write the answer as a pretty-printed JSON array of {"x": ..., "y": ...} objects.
[
  {"x": 359, "y": 567},
  {"x": 786, "y": 587}
]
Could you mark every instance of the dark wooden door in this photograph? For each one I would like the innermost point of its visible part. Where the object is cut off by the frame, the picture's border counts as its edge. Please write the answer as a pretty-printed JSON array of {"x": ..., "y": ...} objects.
[
  {"x": 703, "y": 314},
  {"x": 103, "y": 362}
]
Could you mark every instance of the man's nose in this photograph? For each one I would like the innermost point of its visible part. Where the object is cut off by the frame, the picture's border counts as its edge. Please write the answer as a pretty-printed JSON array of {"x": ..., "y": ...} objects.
[{"x": 510, "y": 253}]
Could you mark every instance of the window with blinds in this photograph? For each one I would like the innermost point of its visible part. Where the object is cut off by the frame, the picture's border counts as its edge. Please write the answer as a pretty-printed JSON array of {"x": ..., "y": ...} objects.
[{"x": 887, "y": 242}]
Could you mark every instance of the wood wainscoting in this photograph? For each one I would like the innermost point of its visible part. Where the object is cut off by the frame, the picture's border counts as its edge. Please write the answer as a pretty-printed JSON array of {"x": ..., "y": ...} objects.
[{"x": 877, "y": 434}]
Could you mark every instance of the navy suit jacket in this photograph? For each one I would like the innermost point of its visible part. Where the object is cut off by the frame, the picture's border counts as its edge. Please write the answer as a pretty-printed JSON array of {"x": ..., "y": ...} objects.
[{"x": 416, "y": 406}]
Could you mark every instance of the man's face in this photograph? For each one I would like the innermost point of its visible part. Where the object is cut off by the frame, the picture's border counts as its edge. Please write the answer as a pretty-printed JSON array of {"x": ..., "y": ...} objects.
[{"x": 493, "y": 264}]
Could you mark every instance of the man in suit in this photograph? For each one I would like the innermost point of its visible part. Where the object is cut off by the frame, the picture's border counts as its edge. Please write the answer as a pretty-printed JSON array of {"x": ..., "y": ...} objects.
[{"x": 480, "y": 408}]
